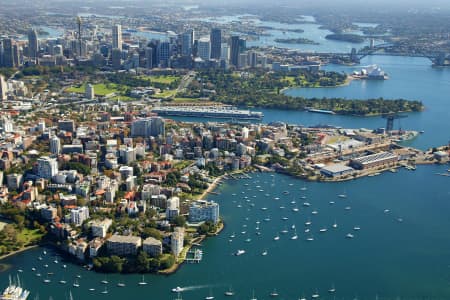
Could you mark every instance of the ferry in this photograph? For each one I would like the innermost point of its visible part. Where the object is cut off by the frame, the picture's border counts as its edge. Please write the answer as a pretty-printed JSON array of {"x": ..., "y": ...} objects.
[
  {"x": 14, "y": 292},
  {"x": 321, "y": 111}
]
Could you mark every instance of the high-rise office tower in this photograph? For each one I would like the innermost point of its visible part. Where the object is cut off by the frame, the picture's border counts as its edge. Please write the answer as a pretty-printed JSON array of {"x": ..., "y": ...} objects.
[
  {"x": 187, "y": 42},
  {"x": 116, "y": 58},
  {"x": 164, "y": 53},
  {"x": 204, "y": 48},
  {"x": 117, "y": 37},
  {"x": 216, "y": 43},
  {"x": 149, "y": 58},
  {"x": 225, "y": 52},
  {"x": 33, "y": 45},
  {"x": 8, "y": 55},
  {"x": 235, "y": 50}
]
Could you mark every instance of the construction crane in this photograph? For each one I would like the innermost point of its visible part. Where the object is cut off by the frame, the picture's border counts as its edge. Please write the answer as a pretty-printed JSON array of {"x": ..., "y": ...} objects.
[{"x": 390, "y": 120}]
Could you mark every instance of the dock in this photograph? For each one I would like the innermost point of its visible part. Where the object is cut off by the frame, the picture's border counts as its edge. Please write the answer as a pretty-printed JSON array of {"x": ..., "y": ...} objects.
[{"x": 194, "y": 256}]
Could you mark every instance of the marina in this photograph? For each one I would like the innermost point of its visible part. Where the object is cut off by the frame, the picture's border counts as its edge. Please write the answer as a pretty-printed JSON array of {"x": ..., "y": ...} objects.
[{"x": 376, "y": 215}]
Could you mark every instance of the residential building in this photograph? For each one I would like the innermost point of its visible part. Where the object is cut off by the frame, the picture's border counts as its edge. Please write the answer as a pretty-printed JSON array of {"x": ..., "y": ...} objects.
[
  {"x": 47, "y": 167},
  {"x": 89, "y": 93},
  {"x": 3, "y": 88},
  {"x": 55, "y": 145},
  {"x": 177, "y": 241},
  {"x": 99, "y": 228},
  {"x": 201, "y": 210},
  {"x": 79, "y": 215},
  {"x": 123, "y": 245},
  {"x": 152, "y": 246}
]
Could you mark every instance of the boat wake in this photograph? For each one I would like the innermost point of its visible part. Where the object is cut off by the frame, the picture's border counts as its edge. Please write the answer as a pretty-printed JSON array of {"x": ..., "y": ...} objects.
[{"x": 195, "y": 287}]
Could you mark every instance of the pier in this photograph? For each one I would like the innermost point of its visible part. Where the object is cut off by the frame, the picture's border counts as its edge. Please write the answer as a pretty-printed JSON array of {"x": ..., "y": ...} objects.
[{"x": 194, "y": 256}]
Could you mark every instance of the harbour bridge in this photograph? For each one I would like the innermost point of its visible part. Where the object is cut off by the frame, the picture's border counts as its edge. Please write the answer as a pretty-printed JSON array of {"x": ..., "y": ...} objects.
[{"x": 355, "y": 56}]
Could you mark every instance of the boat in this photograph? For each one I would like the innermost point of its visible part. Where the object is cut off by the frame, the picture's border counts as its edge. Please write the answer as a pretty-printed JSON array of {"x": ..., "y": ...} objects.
[
  {"x": 348, "y": 208},
  {"x": 91, "y": 289},
  {"x": 62, "y": 281},
  {"x": 331, "y": 202},
  {"x": 177, "y": 290},
  {"x": 264, "y": 253},
  {"x": 335, "y": 225},
  {"x": 310, "y": 239},
  {"x": 38, "y": 274},
  {"x": 39, "y": 258},
  {"x": 55, "y": 261},
  {"x": 253, "y": 296},
  {"x": 314, "y": 212},
  {"x": 263, "y": 208},
  {"x": 14, "y": 292},
  {"x": 295, "y": 209},
  {"x": 142, "y": 282},
  {"x": 105, "y": 291},
  {"x": 293, "y": 202},
  {"x": 78, "y": 276},
  {"x": 295, "y": 236},
  {"x": 274, "y": 293},
  {"x": 229, "y": 292},
  {"x": 306, "y": 204},
  {"x": 47, "y": 280},
  {"x": 33, "y": 269},
  {"x": 248, "y": 240},
  {"x": 20, "y": 271},
  {"x": 356, "y": 228},
  {"x": 121, "y": 284},
  {"x": 315, "y": 295},
  {"x": 344, "y": 195},
  {"x": 303, "y": 188},
  {"x": 267, "y": 219},
  {"x": 44, "y": 252},
  {"x": 349, "y": 236},
  {"x": 386, "y": 211},
  {"x": 322, "y": 230},
  {"x": 179, "y": 297},
  {"x": 64, "y": 266},
  {"x": 332, "y": 289},
  {"x": 284, "y": 218},
  {"x": 276, "y": 238},
  {"x": 76, "y": 284},
  {"x": 293, "y": 226},
  {"x": 104, "y": 281},
  {"x": 239, "y": 252},
  {"x": 307, "y": 230},
  {"x": 302, "y": 298},
  {"x": 307, "y": 223},
  {"x": 233, "y": 235},
  {"x": 210, "y": 296},
  {"x": 284, "y": 231},
  {"x": 46, "y": 266}
]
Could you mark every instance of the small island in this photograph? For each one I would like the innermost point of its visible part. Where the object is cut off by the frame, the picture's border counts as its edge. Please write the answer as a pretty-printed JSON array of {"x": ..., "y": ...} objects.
[
  {"x": 346, "y": 37},
  {"x": 297, "y": 41}
]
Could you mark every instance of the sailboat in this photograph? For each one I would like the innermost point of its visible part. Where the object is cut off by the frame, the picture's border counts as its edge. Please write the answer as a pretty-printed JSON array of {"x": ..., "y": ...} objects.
[
  {"x": 264, "y": 253},
  {"x": 47, "y": 280},
  {"x": 105, "y": 291},
  {"x": 142, "y": 282},
  {"x": 343, "y": 195},
  {"x": 332, "y": 290},
  {"x": 274, "y": 293},
  {"x": 253, "y": 296},
  {"x": 62, "y": 281},
  {"x": 229, "y": 292},
  {"x": 104, "y": 281},
  {"x": 121, "y": 284},
  {"x": 295, "y": 236},
  {"x": 76, "y": 284},
  {"x": 210, "y": 297},
  {"x": 315, "y": 295},
  {"x": 335, "y": 224}
]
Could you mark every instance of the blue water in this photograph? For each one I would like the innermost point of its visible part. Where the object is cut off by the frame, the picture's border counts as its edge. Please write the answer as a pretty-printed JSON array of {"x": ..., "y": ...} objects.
[{"x": 403, "y": 253}]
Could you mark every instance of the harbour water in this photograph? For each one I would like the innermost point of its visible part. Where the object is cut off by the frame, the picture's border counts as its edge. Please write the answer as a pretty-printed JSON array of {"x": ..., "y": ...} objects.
[{"x": 399, "y": 252}]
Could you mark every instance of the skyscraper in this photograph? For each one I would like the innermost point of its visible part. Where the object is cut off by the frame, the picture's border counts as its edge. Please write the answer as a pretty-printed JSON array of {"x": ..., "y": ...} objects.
[
  {"x": 3, "y": 88},
  {"x": 216, "y": 43},
  {"x": 33, "y": 46},
  {"x": 117, "y": 37},
  {"x": 149, "y": 58},
  {"x": 8, "y": 55},
  {"x": 164, "y": 53},
  {"x": 204, "y": 48},
  {"x": 187, "y": 42},
  {"x": 116, "y": 58},
  {"x": 234, "y": 55}
]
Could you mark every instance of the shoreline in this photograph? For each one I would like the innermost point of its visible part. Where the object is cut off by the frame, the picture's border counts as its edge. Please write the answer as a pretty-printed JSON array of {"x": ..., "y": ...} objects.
[{"x": 18, "y": 251}]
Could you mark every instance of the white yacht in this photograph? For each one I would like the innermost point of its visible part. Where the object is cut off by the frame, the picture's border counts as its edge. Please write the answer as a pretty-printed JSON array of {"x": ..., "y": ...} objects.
[
  {"x": 276, "y": 238},
  {"x": 76, "y": 284},
  {"x": 121, "y": 284},
  {"x": 306, "y": 204},
  {"x": 177, "y": 290},
  {"x": 264, "y": 253},
  {"x": 349, "y": 236},
  {"x": 239, "y": 252},
  {"x": 322, "y": 230}
]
